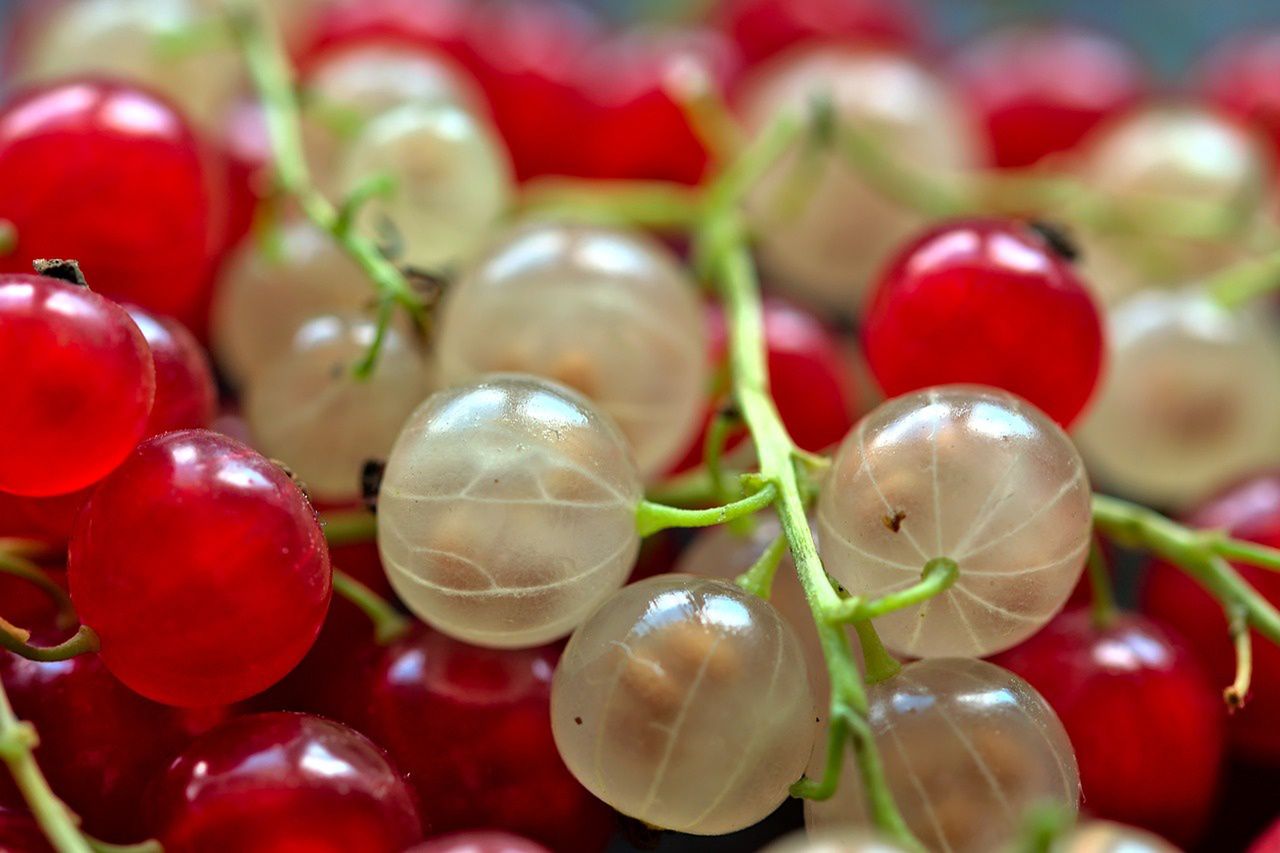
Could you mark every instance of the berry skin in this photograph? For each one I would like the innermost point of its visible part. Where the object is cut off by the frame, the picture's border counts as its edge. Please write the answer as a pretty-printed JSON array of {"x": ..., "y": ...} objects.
[
  {"x": 1038, "y": 91},
  {"x": 1251, "y": 511},
  {"x": 273, "y": 782},
  {"x": 1267, "y": 842},
  {"x": 19, "y": 833},
  {"x": 472, "y": 729},
  {"x": 112, "y": 176},
  {"x": 1241, "y": 77},
  {"x": 1146, "y": 722},
  {"x": 78, "y": 384},
  {"x": 186, "y": 392},
  {"x": 763, "y": 28},
  {"x": 203, "y": 569},
  {"x": 987, "y": 302},
  {"x": 479, "y": 842},
  {"x": 103, "y": 743}
]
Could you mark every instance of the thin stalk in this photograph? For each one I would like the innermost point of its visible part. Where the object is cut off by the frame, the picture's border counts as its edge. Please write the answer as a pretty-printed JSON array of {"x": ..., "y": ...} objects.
[
  {"x": 881, "y": 666},
  {"x": 389, "y": 624},
  {"x": 758, "y": 579},
  {"x": 1103, "y": 601},
  {"x": 1238, "y": 692},
  {"x": 349, "y": 527},
  {"x": 1241, "y": 283},
  {"x": 23, "y": 569},
  {"x": 16, "y": 640},
  {"x": 938, "y": 576},
  {"x": 652, "y": 517}
]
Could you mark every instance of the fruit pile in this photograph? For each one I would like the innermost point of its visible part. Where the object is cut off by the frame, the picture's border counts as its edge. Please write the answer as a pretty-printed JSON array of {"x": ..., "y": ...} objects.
[{"x": 368, "y": 365}]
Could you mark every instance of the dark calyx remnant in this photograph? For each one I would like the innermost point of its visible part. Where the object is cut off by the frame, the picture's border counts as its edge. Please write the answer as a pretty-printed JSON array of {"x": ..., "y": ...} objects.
[
  {"x": 371, "y": 482},
  {"x": 64, "y": 270},
  {"x": 1058, "y": 237}
]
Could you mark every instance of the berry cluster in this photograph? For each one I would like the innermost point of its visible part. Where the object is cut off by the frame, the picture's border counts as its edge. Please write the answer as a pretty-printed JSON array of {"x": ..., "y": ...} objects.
[{"x": 363, "y": 356}]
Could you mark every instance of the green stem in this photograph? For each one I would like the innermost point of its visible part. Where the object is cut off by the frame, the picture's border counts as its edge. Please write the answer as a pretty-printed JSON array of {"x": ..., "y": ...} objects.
[
  {"x": 349, "y": 527},
  {"x": 273, "y": 79},
  {"x": 758, "y": 579},
  {"x": 389, "y": 624},
  {"x": 19, "y": 567},
  {"x": 937, "y": 577},
  {"x": 142, "y": 847},
  {"x": 881, "y": 666},
  {"x": 652, "y": 517},
  {"x": 1249, "y": 553},
  {"x": 654, "y": 205},
  {"x": 18, "y": 741},
  {"x": 1190, "y": 550},
  {"x": 84, "y": 642},
  {"x": 1243, "y": 282},
  {"x": 896, "y": 180},
  {"x": 713, "y": 448},
  {"x": 1236, "y": 694},
  {"x": 1103, "y": 601}
]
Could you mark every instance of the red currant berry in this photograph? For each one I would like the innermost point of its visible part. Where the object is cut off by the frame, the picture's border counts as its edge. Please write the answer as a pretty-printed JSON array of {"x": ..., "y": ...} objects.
[
  {"x": 203, "y": 569},
  {"x": 1268, "y": 841},
  {"x": 246, "y": 153},
  {"x": 112, "y": 176},
  {"x": 103, "y": 743},
  {"x": 274, "y": 782},
  {"x": 77, "y": 381},
  {"x": 479, "y": 842},
  {"x": 186, "y": 392},
  {"x": 1040, "y": 90},
  {"x": 1241, "y": 77},
  {"x": 1249, "y": 511},
  {"x": 19, "y": 833},
  {"x": 439, "y": 24},
  {"x": 472, "y": 728},
  {"x": 52, "y": 519},
  {"x": 629, "y": 79},
  {"x": 809, "y": 379},
  {"x": 1145, "y": 720},
  {"x": 763, "y": 28},
  {"x": 528, "y": 57},
  {"x": 986, "y": 302}
]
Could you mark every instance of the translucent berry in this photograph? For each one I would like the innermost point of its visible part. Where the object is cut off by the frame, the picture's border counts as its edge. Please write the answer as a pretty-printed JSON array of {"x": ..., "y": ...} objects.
[
  {"x": 1185, "y": 407},
  {"x": 111, "y": 176},
  {"x": 846, "y": 841},
  {"x": 479, "y": 842},
  {"x": 507, "y": 511},
  {"x": 1248, "y": 510},
  {"x": 202, "y": 568},
  {"x": 608, "y": 313},
  {"x": 451, "y": 182},
  {"x": 1144, "y": 717},
  {"x": 1038, "y": 91},
  {"x": 1164, "y": 166},
  {"x": 824, "y": 229},
  {"x": 265, "y": 297},
  {"x": 78, "y": 383},
  {"x": 310, "y": 410},
  {"x": 472, "y": 729},
  {"x": 763, "y": 28},
  {"x": 638, "y": 705},
  {"x": 1100, "y": 836},
  {"x": 127, "y": 39},
  {"x": 969, "y": 750},
  {"x": 186, "y": 393},
  {"x": 968, "y": 473},
  {"x": 273, "y": 782},
  {"x": 987, "y": 302}
]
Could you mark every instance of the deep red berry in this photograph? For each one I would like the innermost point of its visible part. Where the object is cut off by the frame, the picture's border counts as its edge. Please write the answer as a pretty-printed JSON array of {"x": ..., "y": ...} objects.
[
  {"x": 1248, "y": 511},
  {"x": 809, "y": 379},
  {"x": 77, "y": 382},
  {"x": 479, "y": 842},
  {"x": 19, "y": 833},
  {"x": 763, "y": 28},
  {"x": 245, "y": 147},
  {"x": 284, "y": 782},
  {"x": 989, "y": 302},
  {"x": 1146, "y": 722},
  {"x": 1241, "y": 76},
  {"x": 102, "y": 743},
  {"x": 112, "y": 176},
  {"x": 439, "y": 24},
  {"x": 472, "y": 728},
  {"x": 1040, "y": 90},
  {"x": 1268, "y": 841},
  {"x": 630, "y": 80},
  {"x": 203, "y": 569},
  {"x": 186, "y": 393}
]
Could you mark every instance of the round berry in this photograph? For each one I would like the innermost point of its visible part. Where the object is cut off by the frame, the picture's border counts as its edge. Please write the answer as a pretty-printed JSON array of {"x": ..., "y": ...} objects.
[
  {"x": 479, "y": 842},
  {"x": 1038, "y": 91},
  {"x": 78, "y": 383},
  {"x": 986, "y": 302},
  {"x": 19, "y": 833},
  {"x": 967, "y": 473},
  {"x": 202, "y": 568},
  {"x": 1146, "y": 722},
  {"x": 111, "y": 176},
  {"x": 507, "y": 511},
  {"x": 186, "y": 392},
  {"x": 609, "y": 313},
  {"x": 968, "y": 749},
  {"x": 272, "y": 782},
  {"x": 1100, "y": 836},
  {"x": 638, "y": 705},
  {"x": 1251, "y": 511},
  {"x": 763, "y": 28},
  {"x": 840, "y": 841},
  {"x": 1241, "y": 76}
]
